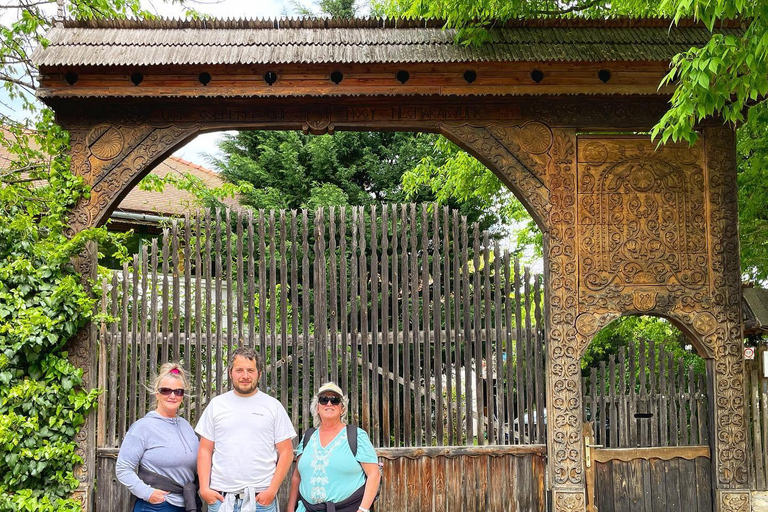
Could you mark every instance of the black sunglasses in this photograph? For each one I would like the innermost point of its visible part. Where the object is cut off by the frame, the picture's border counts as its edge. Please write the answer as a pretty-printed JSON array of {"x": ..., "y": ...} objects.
[
  {"x": 334, "y": 400},
  {"x": 168, "y": 391}
]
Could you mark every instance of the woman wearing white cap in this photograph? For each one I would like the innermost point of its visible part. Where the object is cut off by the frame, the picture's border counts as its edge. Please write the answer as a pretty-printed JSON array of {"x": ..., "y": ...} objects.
[{"x": 337, "y": 469}]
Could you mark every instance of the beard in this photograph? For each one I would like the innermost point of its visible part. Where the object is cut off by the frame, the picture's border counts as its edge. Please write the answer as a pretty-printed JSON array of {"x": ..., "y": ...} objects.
[{"x": 245, "y": 389}]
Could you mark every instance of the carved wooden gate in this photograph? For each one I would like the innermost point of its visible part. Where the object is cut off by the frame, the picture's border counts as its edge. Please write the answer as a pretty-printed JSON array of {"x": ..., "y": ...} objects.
[
  {"x": 627, "y": 229},
  {"x": 646, "y": 434}
]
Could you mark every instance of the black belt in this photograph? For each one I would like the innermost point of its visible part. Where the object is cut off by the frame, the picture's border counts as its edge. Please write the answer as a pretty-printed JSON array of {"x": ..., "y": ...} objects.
[{"x": 238, "y": 495}]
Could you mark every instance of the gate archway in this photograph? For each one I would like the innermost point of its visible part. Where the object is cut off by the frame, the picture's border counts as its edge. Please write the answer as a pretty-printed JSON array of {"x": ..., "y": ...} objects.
[{"x": 525, "y": 130}]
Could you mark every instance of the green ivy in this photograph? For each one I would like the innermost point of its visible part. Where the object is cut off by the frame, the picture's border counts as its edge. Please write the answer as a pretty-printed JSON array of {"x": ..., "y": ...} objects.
[{"x": 42, "y": 306}]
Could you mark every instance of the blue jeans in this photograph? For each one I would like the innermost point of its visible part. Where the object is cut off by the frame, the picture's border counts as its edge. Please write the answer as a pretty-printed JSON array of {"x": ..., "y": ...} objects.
[
  {"x": 145, "y": 506},
  {"x": 272, "y": 507}
]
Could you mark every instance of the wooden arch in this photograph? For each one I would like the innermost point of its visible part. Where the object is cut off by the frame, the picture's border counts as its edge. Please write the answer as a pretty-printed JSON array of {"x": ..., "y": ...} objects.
[{"x": 627, "y": 229}]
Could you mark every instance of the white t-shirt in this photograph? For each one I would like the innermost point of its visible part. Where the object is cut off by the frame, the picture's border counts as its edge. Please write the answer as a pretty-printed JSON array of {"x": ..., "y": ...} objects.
[{"x": 245, "y": 431}]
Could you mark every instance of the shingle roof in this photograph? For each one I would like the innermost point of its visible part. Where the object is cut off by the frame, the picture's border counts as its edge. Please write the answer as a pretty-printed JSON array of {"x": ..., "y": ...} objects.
[{"x": 185, "y": 42}]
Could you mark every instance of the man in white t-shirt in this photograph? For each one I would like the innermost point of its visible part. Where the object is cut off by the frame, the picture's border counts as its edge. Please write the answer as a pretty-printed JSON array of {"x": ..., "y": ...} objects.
[{"x": 245, "y": 442}]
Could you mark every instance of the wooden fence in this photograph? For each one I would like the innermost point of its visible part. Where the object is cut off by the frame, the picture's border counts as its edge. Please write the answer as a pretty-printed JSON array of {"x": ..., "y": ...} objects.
[
  {"x": 756, "y": 386},
  {"x": 645, "y": 397},
  {"x": 432, "y": 329}
]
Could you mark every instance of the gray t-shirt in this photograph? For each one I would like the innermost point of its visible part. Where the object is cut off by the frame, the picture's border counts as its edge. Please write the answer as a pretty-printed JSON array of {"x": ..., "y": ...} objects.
[
  {"x": 244, "y": 431},
  {"x": 166, "y": 446}
]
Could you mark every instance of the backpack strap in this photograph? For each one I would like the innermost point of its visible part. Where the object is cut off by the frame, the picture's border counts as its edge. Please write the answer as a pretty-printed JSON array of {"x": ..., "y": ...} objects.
[
  {"x": 307, "y": 435},
  {"x": 352, "y": 438}
]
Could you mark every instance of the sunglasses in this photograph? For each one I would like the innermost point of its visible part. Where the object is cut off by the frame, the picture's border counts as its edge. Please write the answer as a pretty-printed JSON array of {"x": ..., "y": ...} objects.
[
  {"x": 334, "y": 400},
  {"x": 168, "y": 391}
]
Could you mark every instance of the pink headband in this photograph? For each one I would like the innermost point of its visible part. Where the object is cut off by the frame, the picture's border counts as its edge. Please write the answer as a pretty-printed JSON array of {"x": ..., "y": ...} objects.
[{"x": 175, "y": 371}]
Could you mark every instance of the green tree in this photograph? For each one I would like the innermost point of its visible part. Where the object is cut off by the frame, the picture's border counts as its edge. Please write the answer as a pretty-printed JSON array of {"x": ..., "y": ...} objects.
[{"x": 292, "y": 170}]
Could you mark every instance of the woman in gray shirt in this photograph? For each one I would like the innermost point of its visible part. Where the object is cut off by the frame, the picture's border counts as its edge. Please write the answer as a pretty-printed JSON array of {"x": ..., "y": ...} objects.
[{"x": 160, "y": 447}]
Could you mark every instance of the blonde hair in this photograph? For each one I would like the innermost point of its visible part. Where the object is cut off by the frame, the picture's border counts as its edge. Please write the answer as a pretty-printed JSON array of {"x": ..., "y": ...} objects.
[{"x": 170, "y": 369}]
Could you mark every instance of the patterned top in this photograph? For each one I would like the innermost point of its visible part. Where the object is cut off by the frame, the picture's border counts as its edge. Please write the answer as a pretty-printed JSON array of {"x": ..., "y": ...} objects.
[{"x": 332, "y": 473}]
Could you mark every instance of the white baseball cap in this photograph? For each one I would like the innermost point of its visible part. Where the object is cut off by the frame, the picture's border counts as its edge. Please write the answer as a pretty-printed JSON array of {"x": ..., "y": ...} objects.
[{"x": 330, "y": 386}]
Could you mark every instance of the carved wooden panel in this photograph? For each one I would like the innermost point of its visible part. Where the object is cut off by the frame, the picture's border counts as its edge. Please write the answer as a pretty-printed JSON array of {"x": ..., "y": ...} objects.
[{"x": 112, "y": 158}]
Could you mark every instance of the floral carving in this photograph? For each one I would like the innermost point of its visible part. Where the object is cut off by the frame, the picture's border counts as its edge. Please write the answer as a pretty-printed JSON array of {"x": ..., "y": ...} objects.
[
  {"x": 734, "y": 501},
  {"x": 568, "y": 501}
]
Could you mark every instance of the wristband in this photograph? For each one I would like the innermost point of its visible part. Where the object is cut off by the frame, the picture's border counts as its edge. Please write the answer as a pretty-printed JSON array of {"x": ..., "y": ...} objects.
[{"x": 364, "y": 509}]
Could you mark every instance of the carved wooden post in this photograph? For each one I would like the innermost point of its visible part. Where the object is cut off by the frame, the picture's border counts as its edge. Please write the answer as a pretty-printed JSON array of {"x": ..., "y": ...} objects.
[
  {"x": 83, "y": 354},
  {"x": 726, "y": 372},
  {"x": 564, "y": 401}
]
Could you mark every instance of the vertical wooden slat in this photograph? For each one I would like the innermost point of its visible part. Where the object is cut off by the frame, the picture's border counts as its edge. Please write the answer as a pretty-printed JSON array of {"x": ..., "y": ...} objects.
[
  {"x": 144, "y": 311},
  {"x": 437, "y": 295},
  {"x": 175, "y": 290},
  {"x": 653, "y": 392},
  {"x": 510, "y": 389},
  {"x": 418, "y": 409},
  {"x": 447, "y": 308},
  {"x": 541, "y": 385},
  {"x": 115, "y": 350},
  {"x": 672, "y": 393},
  {"x": 333, "y": 297},
  {"x": 284, "y": 365},
  {"x": 128, "y": 398},
  {"x": 375, "y": 338},
  {"x": 273, "y": 302},
  {"x": 682, "y": 419},
  {"x": 663, "y": 399},
  {"x": 344, "y": 299},
  {"x": 396, "y": 338},
  {"x": 187, "y": 306},
  {"x": 488, "y": 356},
  {"x": 694, "y": 421},
  {"x": 209, "y": 348},
  {"x": 477, "y": 335},
  {"x": 240, "y": 279},
  {"x": 263, "y": 326},
  {"x": 457, "y": 332},
  {"x": 364, "y": 308},
  {"x": 134, "y": 365},
  {"x": 165, "y": 327},
  {"x": 386, "y": 330},
  {"x": 353, "y": 324},
  {"x": 465, "y": 297},
  {"x": 405, "y": 291},
  {"x": 613, "y": 414},
  {"x": 306, "y": 364},
  {"x": 296, "y": 354},
  {"x": 763, "y": 415},
  {"x": 317, "y": 287},
  {"x": 227, "y": 269},
  {"x": 701, "y": 408},
  {"x": 198, "y": 391},
  {"x": 425, "y": 330},
  {"x": 643, "y": 434},
  {"x": 624, "y": 418},
  {"x": 633, "y": 434},
  {"x": 252, "y": 283},
  {"x": 529, "y": 386},
  {"x": 603, "y": 417},
  {"x": 519, "y": 356},
  {"x": 218, "y": 318}
]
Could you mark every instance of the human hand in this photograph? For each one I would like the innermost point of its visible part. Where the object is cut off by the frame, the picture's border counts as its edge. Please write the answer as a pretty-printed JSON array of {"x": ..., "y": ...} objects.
[
  {"x": 157, "y": 496},
  {"x": 265, "y": 497},
  {"x": 210, "y": 496}
]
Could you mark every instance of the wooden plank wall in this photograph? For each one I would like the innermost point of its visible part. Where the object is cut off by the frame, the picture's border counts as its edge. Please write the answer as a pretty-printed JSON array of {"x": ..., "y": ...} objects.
[
  {"x": 654, "y": 484},
  {"x": 757, "y": 416},
  {"x": 645, "y": 397},
  {"x": 467, "y": 479},
  {"x": 434, "y": 331}
]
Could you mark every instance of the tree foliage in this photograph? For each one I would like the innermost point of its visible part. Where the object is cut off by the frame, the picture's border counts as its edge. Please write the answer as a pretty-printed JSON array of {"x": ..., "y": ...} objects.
[{"x": 288, "y": 170}]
